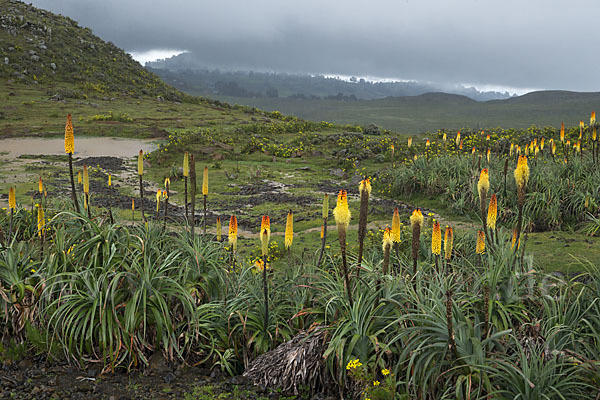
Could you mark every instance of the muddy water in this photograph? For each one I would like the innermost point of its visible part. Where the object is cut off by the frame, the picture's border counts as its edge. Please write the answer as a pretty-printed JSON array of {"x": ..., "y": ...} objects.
[{"x": 84, "y": 147}]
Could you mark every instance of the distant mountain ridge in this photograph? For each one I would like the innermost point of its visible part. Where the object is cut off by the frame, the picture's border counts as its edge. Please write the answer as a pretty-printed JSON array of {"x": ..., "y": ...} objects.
[
  {"x": 40, "y": 47},
  {"x": 186, "y": 72}
]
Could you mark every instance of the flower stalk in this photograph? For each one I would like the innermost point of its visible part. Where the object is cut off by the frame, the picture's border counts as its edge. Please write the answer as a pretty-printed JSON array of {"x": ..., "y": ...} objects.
[
  {"x": 204, "y": 195},
  {"x": 324, "y": 227},
  {"x": 167, "y": 194},
  {"x": 186, "y": 174},
  {"x": 70, "y": 149},
  {"x": 289, "y": 235},
  {"x": 86, "y": 190},
  {"x": 364, "y": 189},
  {"x": 232, "y": 238},
  {"x": 265, "y": 235},
  {"x": 342, "y": 217},
  {"x": 140, "y": 166},
  {"x": 521, "y": 175},
  {"x": 12, "y": 204},
  {"x": 416, "y": 223},
  {"x": 192, "y": 194},
  {"x": 219, "y": 229},
  {"x": 396, "y": 235},
  {"x": 436, "y": 243}
]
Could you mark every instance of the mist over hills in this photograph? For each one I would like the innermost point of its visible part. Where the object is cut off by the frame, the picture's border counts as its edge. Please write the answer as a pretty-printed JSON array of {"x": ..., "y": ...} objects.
[{"x": 186, "y": 72}]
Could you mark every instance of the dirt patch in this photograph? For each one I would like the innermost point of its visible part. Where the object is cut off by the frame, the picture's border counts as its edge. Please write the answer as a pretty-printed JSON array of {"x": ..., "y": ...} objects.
[
  {"x": 111, "y": 164},
  {"x": 37, "y": 379}
]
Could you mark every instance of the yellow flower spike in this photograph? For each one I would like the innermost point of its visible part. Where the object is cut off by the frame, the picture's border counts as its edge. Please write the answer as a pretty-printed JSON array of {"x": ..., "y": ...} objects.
[
  {"x": 233, "y": 230},
  {"x": 460, "y": 146},
  {"x": 69, "y": 138},
  {"x": 158, "y": 195},
  {"x": 487, "y": 138},
  {"x": 473, "y": 150},
  {"x": 387, "y": 238},
  {"x": 141, "y": 163},
  {"x": 521, "y": 172},
  {"x": 416, "y": 218},
  {"x": 40, "y": 220},
  {"x": 40, "y": 186},
  {"x": 409, "y": 142},
  {"x": 593, "y": 118},
  {"x": 562, "y": 132},
  {"x": 365, "y": 184},
  {"x": 265, "y": 234},
  {"x": 205, "y": 182},
  {"x": 165, "y": 195},
  {"x": 492, "y": 212},
  {"x": 186, "y": 164},
  {"x": 483, "y": 186},
  {"x": 325, "y": 206},
  {"x": 553, "y": 147},
  {"x": 341, "y": 212},
  {"x": 436, "y": 239},
  {"x": 12, "y": 203},
  {"x": 167, "y": 182},
  {"x": 219, "y": 229},
  {"x": 396, "y": 226},
  {"x": 480, "y": 248},
  {"x": 514, "y": 239},
  {"x": 86, "y": 180},
  {"x": 488, "y": 155},
  {"x": 444, "y": 138},
  {"x": 289, "y": 230},
  {"x": 512, "y": 147},
  {"x": 322, "y": 230},
  {"x": 132, "y": 204},
  {"x": 79, "y": 177},
  {"x": 109, "y": 180},
  {"x": 457, "y": 140},
  {"x": 427, "y": 144},
  {"x": 448, "y": 242},
  {"x": 581, "y": 126},
  {"x": 594, "y": 134},
  {"x": 542, "y": 144}
]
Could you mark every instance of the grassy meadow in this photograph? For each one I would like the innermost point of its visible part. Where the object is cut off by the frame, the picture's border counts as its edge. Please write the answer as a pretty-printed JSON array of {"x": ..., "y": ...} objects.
[{"x": 484, "y": 284}]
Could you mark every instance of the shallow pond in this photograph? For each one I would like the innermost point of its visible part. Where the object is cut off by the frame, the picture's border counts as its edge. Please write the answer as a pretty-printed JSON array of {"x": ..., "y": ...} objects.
[{"x": 84, "y": 146}]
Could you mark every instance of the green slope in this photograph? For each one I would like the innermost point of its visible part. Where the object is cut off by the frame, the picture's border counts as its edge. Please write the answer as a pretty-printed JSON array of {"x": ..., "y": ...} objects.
[
  {"x": 433, "y": 111},
  {"x": 38, "y": 47}
]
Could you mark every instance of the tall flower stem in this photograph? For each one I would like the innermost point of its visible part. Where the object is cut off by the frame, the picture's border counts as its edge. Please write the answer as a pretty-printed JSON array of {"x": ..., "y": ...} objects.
[
  {"x": 265, "y": 235},
  {"x": 325, "y": 214},
  {"x": 342, "y": 238},
  {"x": 416, "y": 221},
  {"x": 266, "y": 294},
  {"x": 205, "y": 195},
  {"x": 365, "y": 190},
  {"x": 192, "y": 194},
  {"x": 73, "y": 192},
  {"x": 186, "y": 174},
  {"x": 141, "y": 173}
]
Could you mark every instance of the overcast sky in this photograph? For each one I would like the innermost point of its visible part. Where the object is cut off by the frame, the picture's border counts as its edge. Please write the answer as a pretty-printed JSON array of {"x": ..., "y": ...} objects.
[{"x": 546, "y": 44}]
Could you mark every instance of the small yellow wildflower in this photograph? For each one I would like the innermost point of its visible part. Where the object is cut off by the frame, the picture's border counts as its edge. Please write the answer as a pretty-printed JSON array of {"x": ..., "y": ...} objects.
[
  {"x": 385, "y": 372},
  {"x": 375, "y": 383}
]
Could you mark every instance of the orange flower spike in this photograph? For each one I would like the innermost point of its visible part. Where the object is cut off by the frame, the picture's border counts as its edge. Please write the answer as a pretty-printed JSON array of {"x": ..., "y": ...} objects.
[
  {"x": 12, "y": 203},
  {"x": 289, "y": 230},
  {"x": 448, "y": 242},
  {"x": 480, "y": 248},
  {"x": 492, "y": 212},
  {"x": 562, "y": 131},
  {"x": 436, "y": 239},
  {"x": 233, "y": 231},
  {"x": 265, "y": 234},
  {"x": 69, "y": 137},
  {"x": 396, "y": 226}
]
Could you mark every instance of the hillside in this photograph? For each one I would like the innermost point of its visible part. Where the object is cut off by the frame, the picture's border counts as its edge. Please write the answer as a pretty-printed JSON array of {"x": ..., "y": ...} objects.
[
  {"x": 39, "y": 47},
  {"x": 433, "y": 111}
]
